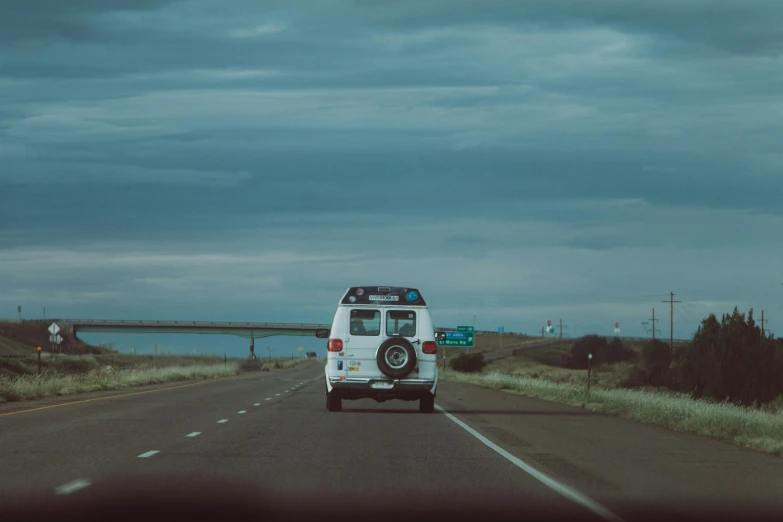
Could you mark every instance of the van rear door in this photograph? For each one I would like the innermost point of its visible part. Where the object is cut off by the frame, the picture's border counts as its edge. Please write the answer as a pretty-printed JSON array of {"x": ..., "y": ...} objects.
[{"x": 364, "y": 338}]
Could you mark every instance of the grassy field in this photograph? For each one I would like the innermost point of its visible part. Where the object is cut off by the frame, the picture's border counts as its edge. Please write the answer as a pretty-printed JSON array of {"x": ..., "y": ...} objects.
[
  {"x": 85, "y": 363},
  {"x": 27, "y": 387},
  {"x": 64, "y": 375},
  {"x": 549, "y": 364},
  {"x": 760, "y": 429}
]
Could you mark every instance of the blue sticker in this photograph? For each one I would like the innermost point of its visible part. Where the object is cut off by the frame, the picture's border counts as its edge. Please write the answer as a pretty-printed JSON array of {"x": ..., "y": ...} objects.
[
  {"x": 412, "y": 296},
  {"x": 339, "y": 365}
]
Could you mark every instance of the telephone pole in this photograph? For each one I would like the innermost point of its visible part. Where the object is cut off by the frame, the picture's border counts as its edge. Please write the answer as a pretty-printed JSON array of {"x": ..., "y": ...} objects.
[
  {"x": 671, "y": 301},
  {"x": 561, "y": 327},
  {"x": 653, "y": 324},
  {"x": 762, "y": 323}
]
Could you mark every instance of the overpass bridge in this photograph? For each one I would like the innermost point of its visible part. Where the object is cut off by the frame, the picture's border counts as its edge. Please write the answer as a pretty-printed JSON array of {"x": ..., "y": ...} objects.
[{"x": 248, "y": 330}]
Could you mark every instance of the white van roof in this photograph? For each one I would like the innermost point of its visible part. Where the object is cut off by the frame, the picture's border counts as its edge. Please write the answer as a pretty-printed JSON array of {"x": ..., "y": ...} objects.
[{"x": 383, "y": 296}]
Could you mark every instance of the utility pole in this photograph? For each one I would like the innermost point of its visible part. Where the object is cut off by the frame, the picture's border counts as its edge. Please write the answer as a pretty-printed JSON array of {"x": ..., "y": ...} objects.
[
  {"x": 561, "y": 327},
  {"x": 671, "y": 301},
  {"x": 762, "y": 323},
  {"x": 474, "y": 332},
  {"x": 653, "y": 324}
]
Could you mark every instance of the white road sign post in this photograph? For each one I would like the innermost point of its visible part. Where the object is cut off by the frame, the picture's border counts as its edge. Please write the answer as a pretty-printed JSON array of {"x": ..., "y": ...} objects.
[{"x": 54, "y": 339}]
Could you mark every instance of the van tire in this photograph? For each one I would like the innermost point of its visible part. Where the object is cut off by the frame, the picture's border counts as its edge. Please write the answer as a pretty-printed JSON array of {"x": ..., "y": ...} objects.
[
  {"x": 396, "y": 343},
  {"x": 427, "y": 403},
  {"x": 333, "y": 401}
]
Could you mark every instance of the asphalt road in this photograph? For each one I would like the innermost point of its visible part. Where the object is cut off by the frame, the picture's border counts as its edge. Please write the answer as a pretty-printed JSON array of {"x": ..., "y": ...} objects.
[{"x": 271, "y": 431}]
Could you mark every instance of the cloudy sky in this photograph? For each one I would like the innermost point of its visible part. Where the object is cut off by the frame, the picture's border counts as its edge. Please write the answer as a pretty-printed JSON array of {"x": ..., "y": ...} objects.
[{"x": 517, "y": 161}]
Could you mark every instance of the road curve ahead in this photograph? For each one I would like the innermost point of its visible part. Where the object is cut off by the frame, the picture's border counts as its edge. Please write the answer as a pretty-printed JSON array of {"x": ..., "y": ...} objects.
[{"x": 271, "y": 433}]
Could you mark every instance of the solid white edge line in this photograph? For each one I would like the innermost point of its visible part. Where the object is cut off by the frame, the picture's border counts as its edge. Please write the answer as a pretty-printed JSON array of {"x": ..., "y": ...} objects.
[
  {"x": 148, "y": 454},
  {"x": 222, "y": 421},
  {"x": 544, "y": 479},
  {"x": 72, "y": 486},
  {"x": 194, "y": 434}
]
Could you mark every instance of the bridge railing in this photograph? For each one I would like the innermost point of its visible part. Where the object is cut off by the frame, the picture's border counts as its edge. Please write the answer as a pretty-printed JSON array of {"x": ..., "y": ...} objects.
[{"x": 78, "y": 322}]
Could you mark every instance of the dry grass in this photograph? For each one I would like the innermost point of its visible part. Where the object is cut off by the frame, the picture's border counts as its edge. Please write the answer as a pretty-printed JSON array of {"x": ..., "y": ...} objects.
[
  {"x": 25, "y": 387},
  {"x": 607, "y": 376},
  {"x": 280, "y": 364},
  {"x": 752, "y": 428}
]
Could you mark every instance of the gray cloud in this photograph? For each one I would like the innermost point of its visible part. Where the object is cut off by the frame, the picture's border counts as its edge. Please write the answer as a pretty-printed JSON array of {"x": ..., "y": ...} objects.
[{"x": 515, "y": 160}]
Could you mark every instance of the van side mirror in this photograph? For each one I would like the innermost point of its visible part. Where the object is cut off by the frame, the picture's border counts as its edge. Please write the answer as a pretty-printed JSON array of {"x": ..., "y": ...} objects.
[
  {"x": 440, "y": 336},
  {"x": 322, "y": 333}
]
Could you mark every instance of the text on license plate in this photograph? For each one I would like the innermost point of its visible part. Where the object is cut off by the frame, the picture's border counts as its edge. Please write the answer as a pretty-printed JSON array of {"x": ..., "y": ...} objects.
[{"x": 381, "y": 385}]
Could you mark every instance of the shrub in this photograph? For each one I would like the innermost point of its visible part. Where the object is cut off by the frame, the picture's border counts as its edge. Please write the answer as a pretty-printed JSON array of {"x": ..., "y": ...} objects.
[
  {"x": 589, "y": 344},
  {"x": 653, "y": 369},
  {"x": 604, "y": 351},
  {"x": 468, "y": 362}
]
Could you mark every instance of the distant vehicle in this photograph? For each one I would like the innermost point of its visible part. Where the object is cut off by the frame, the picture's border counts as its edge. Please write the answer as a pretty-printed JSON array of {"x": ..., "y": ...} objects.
[
  {"x": 311, "y": 354},
  {"x": 381, "y": 346}
]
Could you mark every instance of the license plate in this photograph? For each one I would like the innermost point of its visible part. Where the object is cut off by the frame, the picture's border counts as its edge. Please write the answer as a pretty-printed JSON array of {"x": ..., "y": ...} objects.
[
  {"x": 380, "y": 385},
  {"x": 353, "y": 368}
]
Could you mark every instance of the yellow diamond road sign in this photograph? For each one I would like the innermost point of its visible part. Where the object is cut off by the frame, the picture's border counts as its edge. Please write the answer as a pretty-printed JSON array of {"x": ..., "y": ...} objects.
[{"x": 300, "y": 348}]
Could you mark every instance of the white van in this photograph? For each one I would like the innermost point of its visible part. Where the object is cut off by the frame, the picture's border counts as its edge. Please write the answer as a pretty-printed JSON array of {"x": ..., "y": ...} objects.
[{"x": 381, "y": 346}]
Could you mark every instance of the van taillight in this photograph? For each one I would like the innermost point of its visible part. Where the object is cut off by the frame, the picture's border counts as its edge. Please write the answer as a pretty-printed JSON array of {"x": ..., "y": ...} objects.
[
  {"x": 335, "y": 345},
  {"x": 429, "y": 347}
]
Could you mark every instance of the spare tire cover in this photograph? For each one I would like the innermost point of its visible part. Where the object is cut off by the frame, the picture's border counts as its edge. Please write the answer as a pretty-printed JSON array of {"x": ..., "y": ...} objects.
[{"x": 396, "y": 357}]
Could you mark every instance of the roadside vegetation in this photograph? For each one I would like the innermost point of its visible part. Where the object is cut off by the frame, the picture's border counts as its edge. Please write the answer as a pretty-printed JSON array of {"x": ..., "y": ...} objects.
[
  {"x": 64, "y": 375},
  {"x": 85, "y": 368},
  {"x": 726, "y": 383},
  {"x": 50, "y": 384}
]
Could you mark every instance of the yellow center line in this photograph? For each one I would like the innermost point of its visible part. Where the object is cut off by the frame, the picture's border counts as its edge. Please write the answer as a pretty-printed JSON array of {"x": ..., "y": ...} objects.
[{"x": 101, "y": 398}]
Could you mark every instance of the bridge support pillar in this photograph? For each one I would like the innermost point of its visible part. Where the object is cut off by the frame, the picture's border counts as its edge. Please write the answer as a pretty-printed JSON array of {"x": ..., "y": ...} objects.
[{"x": 252, "y": 347}]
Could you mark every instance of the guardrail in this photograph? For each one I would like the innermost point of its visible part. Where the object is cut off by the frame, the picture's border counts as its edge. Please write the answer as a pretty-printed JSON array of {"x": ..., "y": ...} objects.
[{"x": 16, "y": 356}]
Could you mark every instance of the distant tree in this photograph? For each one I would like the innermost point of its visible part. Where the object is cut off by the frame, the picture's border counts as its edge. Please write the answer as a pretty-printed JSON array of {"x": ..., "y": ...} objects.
[{"x": 731, "y": 360}]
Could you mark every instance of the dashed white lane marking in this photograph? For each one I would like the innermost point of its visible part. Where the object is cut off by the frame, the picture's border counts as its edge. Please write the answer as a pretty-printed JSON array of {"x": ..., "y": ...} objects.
[
  {"x": 242, "y": 411},
  {"x": 277, "y": 395},
  {"x": 71, "y": 487},
  {"x": 562, "y": 489},
  {"x": 194, "y": 434},
  {"x": 148, "y": 454},
  {"x": 257, "y": 404},
  {"x": 268, "y": 399},
  {"x": 222, "y": 421}
]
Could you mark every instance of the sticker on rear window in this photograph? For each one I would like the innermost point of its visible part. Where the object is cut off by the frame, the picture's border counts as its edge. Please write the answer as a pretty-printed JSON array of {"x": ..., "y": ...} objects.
[{"x": 384, "y": 298}]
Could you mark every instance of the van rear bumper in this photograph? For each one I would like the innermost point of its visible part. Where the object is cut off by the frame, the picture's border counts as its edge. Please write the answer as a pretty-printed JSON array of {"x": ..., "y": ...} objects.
[{"x": 405, "y": 389}]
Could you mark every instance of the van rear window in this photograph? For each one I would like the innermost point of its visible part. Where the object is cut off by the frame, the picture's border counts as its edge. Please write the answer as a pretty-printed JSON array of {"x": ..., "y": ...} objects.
[
  {"x": 365, "y": 322},
  {"x": 401, "y": 323},
  {"x": 383, "y": 295}
]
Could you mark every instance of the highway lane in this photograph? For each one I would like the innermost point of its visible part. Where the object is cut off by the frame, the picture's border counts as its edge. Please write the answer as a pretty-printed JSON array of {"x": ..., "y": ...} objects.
[{"x": 291, "y": 446}]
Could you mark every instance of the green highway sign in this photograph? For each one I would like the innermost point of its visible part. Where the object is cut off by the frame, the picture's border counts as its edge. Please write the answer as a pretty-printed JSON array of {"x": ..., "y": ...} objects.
[
  {"x": 468, "y": 343},
  {"x": 462, "y": 337}
]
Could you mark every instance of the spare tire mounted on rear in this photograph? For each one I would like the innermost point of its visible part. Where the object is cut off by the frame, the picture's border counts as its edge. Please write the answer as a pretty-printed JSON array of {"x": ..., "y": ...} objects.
[{"x": 396, "y": 357}]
